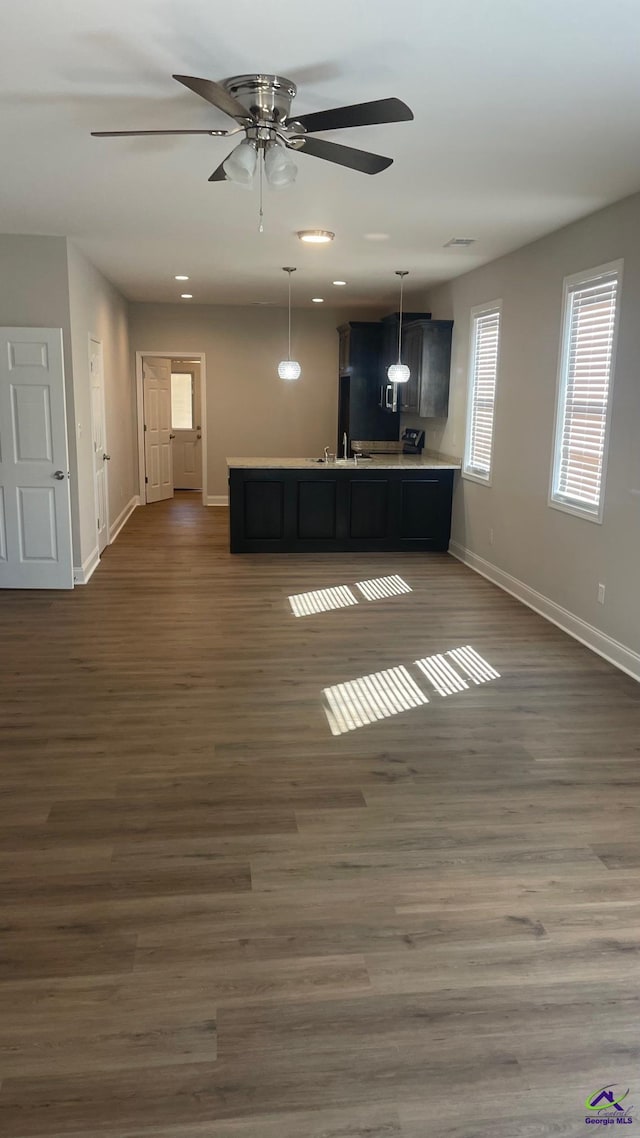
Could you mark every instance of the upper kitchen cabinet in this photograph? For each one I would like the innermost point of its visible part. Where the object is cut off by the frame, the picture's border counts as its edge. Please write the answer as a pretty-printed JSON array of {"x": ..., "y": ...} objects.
[
  {"x": 426, "y": 349},
  {"x": 360, "y": 414},
  {"x": 390, "y": 334}
]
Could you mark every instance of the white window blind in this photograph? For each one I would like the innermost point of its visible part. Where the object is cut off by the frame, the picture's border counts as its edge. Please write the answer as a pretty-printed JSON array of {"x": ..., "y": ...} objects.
[
  {"x": 485, "y": 337},
  {"x": 584, "y": 391}
]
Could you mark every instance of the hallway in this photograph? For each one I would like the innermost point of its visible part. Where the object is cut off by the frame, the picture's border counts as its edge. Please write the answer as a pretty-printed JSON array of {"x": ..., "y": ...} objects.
[{"x": 220, "y": 920}]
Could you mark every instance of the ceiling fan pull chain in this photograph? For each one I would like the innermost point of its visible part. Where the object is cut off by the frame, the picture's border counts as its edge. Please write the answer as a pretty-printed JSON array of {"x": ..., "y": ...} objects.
[{"x": 261, "y": 225}]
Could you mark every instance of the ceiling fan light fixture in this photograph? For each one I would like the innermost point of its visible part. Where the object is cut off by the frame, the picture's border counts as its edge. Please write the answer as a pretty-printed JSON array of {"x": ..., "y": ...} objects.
[
  {"x": 279, "y": 166},
  {"x": 240, "y": 165},
  {"x": 315, "y": 236},
  {"x": 289, "y": 369}
]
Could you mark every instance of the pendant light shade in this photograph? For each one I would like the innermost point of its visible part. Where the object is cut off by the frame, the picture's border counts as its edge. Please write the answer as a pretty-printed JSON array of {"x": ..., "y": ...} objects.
[
  {"x": 399, "y": 373},
  {"x": 289, "y": 369}
]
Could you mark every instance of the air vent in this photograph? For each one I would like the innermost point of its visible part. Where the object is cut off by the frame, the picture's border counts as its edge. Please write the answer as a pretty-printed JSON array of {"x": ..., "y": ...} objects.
[{"x": 459, "y": 241}]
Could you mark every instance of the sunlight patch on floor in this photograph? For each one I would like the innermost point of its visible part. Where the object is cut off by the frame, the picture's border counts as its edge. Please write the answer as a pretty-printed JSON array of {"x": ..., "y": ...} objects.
[
  {"x": 379, "y": 587},
  {"x": 322, "y": 600},
  {"x": 373, "y": 697}
]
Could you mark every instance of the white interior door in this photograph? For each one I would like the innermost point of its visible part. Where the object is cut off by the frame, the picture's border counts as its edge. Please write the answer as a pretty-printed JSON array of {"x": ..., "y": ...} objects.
[
  {"x": 186, "y": 425},
  {"x": 156, "y": 377},
  {"x": 100, "y": 456},
  {"x": 35, "y": 504}
]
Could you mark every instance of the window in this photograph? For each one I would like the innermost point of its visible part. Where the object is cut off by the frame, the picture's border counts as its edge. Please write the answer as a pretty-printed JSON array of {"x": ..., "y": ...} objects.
[
  {"x": 584, "y": 390},
  {"x": 483, "y": 373},
  {"x": 181, "y": 400}
]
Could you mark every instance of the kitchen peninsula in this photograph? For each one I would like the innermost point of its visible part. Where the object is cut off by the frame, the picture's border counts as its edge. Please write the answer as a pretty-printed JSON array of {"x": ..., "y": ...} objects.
[{"x": 392, "y": 502}]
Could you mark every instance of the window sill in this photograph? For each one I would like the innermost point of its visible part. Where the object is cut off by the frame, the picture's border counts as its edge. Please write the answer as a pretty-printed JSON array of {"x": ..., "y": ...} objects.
[
  {"x": 577, "y": 511},
  {"x": 481, "y": 479}
]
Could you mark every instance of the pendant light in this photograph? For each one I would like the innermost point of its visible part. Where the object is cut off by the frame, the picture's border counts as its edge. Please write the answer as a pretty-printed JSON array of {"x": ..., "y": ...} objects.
[
  {"x": 289, "y": 369},
  {"x": 399, "y": 373}
]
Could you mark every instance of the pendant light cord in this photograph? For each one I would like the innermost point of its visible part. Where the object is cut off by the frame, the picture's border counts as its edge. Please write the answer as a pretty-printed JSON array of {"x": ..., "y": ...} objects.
[
  {"x": 402, "y": 275},
  {"x": 289, "y": 275}
]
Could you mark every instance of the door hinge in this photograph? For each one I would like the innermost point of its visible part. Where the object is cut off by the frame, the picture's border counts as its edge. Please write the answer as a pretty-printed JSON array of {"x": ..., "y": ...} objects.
[
  {"x": 145, "y": 426},
  {"x": 145, "y": 478}
]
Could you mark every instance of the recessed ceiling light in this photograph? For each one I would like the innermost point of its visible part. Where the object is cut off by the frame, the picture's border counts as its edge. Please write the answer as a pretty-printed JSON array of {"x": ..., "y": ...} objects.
[
  {"x": 339, "y": 282},
  {"x": 462, "y": 241},
  {"x": 317, "y": 299},
  {"x": 181, "y": 278},
  {"x": 316, "y": 236},
  {"x": 186, "y": 295}
]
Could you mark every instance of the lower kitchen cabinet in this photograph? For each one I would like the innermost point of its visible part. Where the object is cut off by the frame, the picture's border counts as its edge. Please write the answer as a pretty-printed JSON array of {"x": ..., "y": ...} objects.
[{"x": 340, "y": 509}]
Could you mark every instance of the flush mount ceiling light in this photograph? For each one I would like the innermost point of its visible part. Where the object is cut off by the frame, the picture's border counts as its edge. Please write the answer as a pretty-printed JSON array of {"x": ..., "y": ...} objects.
[
  {"x": 289, "y": 369},
  {"x": 181, "y": 278},
  {"x": 315, "y": 236},
  {"x": 399, "y": 373}
]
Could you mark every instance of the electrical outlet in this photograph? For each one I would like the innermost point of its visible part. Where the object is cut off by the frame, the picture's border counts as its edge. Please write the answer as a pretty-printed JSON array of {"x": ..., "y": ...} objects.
[
  {"x": 601, "y": 594},
  {"x": 491, "y": 536}
]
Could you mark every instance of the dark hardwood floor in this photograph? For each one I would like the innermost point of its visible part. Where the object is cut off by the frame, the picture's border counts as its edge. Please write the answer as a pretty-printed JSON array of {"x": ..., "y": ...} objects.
[{"x": 219, "y": 920}]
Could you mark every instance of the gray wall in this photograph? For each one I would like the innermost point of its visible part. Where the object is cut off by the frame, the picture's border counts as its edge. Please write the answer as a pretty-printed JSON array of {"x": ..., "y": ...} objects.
[
  {"x": 98, "y": 310},
  {"x": 558, "y": 555},
  {"x": 34, "y": 293},
  {"x": 250, "y": 410},
  {"x": 47, "y": 282}
]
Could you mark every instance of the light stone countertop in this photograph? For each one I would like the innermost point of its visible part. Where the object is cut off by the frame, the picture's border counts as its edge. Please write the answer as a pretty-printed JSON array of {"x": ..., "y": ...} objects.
[{"x": 378, "y": 462}]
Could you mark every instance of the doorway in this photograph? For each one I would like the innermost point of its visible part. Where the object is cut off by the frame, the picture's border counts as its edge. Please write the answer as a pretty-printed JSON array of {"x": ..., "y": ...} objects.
[
  {"x": 172, "y": 444},
  {"x": 186, "y": 424}
]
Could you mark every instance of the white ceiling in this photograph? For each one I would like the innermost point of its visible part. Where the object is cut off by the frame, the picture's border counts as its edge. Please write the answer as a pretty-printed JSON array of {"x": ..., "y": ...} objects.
[{"x": 527, "y": 116}]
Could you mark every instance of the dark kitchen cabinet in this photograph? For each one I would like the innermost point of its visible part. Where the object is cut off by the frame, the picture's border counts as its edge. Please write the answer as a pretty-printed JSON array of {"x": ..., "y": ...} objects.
[
  {"x": 390, "y": 335},
  {"x": 340, "y": 509},
  {"x": 427, "y": 352},
  {"x": 361, "y": 377}
]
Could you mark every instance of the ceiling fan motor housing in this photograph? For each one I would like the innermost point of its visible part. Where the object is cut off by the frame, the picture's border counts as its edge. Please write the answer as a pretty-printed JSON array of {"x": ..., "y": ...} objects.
[{"x": 265, "y": 97}]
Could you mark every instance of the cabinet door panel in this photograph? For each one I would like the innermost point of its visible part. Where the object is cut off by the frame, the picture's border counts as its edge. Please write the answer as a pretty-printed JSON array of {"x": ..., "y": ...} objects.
[
  {"x": 264, "y": 510},
  {"x": 369, "y": 509},
  {"x": 436, "y": 367},
  {"x": 317, "y": 510},
  {"x": 412, "y": 356},
  {"x": 425, "y": 508}
]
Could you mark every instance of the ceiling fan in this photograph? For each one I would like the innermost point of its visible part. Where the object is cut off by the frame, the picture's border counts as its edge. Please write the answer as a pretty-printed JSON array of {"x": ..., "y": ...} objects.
[{"x": 261, "y": 105}]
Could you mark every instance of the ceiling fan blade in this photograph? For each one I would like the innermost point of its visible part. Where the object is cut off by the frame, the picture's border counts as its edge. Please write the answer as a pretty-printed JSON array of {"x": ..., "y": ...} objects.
[
  {"x": 360, "y": 114},
  {"x": 135, "y": 133},
  {"x": 361, "y": 160},
  {"x": 216, "y": 94},
  {"x": 219, "y": 174}
]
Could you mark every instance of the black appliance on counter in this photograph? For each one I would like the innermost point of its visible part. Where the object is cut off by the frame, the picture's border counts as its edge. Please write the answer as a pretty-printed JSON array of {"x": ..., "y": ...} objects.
[{"x": 412, "y": 440}]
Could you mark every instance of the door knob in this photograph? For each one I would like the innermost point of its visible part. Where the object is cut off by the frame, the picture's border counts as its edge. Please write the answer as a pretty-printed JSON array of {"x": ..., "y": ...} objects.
[
  {"x": 59, "y": 474},
  {"x": 172, "y": 436},
  {"x": 198, "y": 436},
  {"x": 106, "y": 458}
]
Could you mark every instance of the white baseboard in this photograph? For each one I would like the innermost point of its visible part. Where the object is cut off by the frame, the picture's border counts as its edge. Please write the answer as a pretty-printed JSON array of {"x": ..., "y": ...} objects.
[
  {"x": 618, "y": 654},
  {"x": 82, "y": 573},
  {"x": 217, "y": 499},
  {"x": 123, "y": 518}
]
